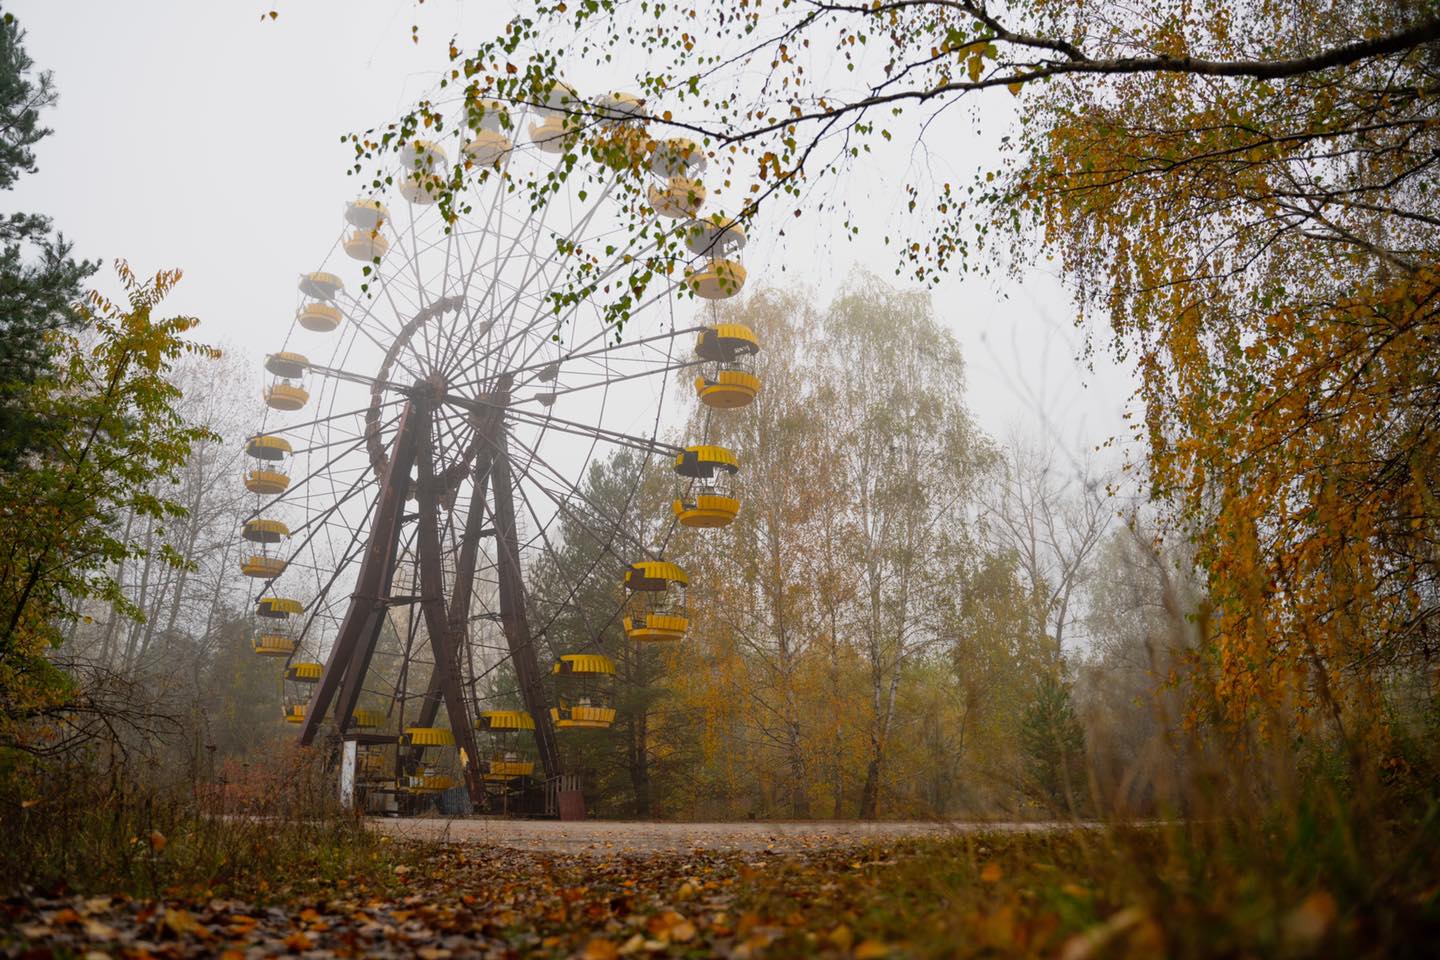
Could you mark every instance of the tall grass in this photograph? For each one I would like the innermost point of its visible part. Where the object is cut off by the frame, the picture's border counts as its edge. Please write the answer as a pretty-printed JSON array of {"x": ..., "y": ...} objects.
[{"x": 112, "y": 822}]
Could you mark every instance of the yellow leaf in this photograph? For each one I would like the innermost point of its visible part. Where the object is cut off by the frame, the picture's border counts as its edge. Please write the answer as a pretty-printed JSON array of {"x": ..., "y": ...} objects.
[
  {"x": 1015, "y": 87},
  {"x": 991, "y": 873},
  {"x": 871, "y": 950},
  {"x": 181, "y": 922},
  {"x": 298, "y": 942},
  {"x": 598, "y": 949}
]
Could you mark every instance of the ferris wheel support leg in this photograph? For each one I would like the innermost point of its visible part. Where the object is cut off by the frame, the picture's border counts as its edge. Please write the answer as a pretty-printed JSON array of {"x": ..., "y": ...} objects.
[
  {"x": 512, "y": 610},
  {"x": 464, "y": 588},
  {"x": 354, "y": 645},
  {"x": 445, "y": 673}
]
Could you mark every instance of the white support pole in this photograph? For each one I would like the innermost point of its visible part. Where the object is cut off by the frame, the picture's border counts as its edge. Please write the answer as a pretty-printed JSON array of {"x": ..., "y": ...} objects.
[{"x": 347, "y": 774}]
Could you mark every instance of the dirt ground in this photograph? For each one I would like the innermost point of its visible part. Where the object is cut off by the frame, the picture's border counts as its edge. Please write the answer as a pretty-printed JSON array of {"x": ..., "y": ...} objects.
[{"x": 623, "y": 836}]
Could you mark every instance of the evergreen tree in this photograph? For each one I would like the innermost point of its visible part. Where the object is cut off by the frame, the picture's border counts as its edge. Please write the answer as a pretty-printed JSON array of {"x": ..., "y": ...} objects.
[
  {"x": 1052, "y": 744},
  {"x": 39, "y": 280}
]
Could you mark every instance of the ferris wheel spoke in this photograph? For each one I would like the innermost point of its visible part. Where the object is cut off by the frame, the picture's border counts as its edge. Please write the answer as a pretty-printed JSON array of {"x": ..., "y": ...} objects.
[
  {"x": 320, "y": 421},
  {"x": 573, "y": 491},
  {"x": 539, "y": 262},
  {"x": 376, "y": 341},
  {"x": 617, "y": 437},
  {"x": 652, "y": 372},
  {"x": 296, "y": 489},
  {"x": 467, "y": 357},
  {"x": 575, "y": 582},
  {"x": 602, "y": 353},
  {"x": 619, "y": 262}
]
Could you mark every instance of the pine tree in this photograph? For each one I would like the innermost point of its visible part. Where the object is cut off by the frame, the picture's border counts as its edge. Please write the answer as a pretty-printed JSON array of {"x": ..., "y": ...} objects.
[
  {"x": 1053, "y": 746},
  {"x": 39, "y": 281}
]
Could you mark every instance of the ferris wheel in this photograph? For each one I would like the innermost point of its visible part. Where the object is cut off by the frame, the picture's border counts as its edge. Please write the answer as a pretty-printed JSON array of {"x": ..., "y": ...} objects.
[{"x": 431, "y": 420}]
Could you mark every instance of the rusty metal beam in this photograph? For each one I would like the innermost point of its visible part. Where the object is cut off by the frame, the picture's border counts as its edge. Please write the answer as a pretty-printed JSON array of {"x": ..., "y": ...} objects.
[
  {"x": 445, "y": 673},
  {"x": 464, "y": 586},
  {"x": 513, "y": 616},
  {"x": 350, "y": 655}
]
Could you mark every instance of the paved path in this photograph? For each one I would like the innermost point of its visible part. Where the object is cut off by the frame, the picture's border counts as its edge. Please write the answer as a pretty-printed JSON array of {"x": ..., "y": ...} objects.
[{"x": 620, "y": 836}]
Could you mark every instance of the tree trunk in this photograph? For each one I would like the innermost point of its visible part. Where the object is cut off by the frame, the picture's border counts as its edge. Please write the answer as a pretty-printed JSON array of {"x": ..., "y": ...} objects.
[
  {"x": 870, "y": 793},
  {"x": 639, "y": 764}
]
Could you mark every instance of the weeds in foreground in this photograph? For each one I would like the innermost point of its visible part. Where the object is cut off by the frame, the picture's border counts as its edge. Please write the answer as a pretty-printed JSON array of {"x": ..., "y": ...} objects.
[
  {"x": 1260, "y": 888},
  {"x": 272, "y": 835}
]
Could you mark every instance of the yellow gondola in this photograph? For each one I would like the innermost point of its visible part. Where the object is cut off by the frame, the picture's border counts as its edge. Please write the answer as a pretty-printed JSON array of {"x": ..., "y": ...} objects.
[
  {"x": 286, "y": 396},
  {"x": 263, "y": 567},
  {"x": 319, "y": 317},
  {"x": 365, "y": 246},
  {"x": 679, "y": 197},
  {"x": 370, "y": 764},
  {"x": 621, "y": 106},
  {"x": 727, "y": 379},
  {"x": 508, "y": 767},
  {"x": 424, "y": 155},
  {"x": 717, "y": 280},
  {"x": 715, "y": 235},
  {"x": 295, "y": 713},
  {"x": 321, "y": 286},
  {"x": 267, "y": 450},
  {"x": 304, "y": 672},
  {"x": 677, "y": 156},
  {"x": 428, "y": 782},
  {"x": 504, "y": 720},
  {"x": 584, "y": 664},
  {"x": 367, "y": 719},
  {"x": 290, "y": 366},
  {"x": 422, "y": 163},
  {"x": 266, "y": 482},
  {"x": 508, "y": 763},
  {"x": 278, "y": 608},
  {"x": 272, "y": 644},
  {"x": 488, "y": 148},
  {"x": 586, "y": 672},
  {"x": 656, "y": 605},
  {"x": 582, "y": 715},
  {"x": 263, "y": 447},
  {"x": 707, "y": 499},
  {"x": 421, "y": 188},
  {"x": 260, "y": 530},
  {"x": 727, "y": 389},
  {"x": 429, "y": 737},
  {"x": 555, "y": 134},
  {"x": 366, "y": 215}
]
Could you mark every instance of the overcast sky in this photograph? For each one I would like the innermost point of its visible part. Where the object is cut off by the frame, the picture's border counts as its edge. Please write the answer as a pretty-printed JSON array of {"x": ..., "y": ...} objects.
[{"x": 192, "y": 134}]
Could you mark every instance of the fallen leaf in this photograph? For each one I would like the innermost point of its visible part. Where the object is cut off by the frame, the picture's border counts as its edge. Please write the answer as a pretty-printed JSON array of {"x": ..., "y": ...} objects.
[
  {"x": 991, "y": 873},
  {"x": 598, "y": 949},
  {"x": 183, "y": 923},
  {"x": 96, "y": 930},
  {"x": 871, "y": 950},
  {"x": 157, "y": 841},
  {"x": 298, "y": 942}
]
